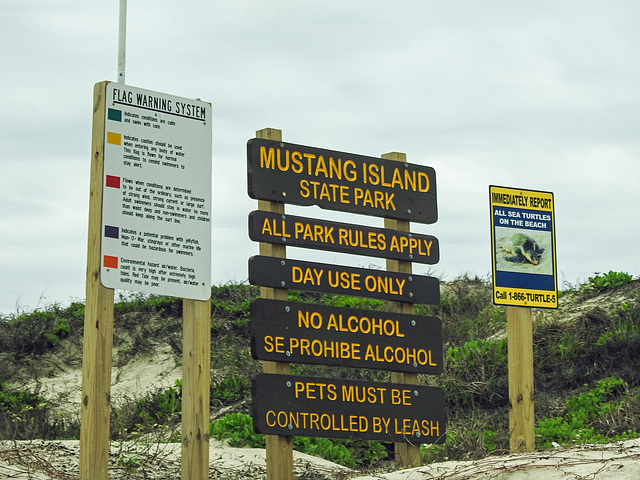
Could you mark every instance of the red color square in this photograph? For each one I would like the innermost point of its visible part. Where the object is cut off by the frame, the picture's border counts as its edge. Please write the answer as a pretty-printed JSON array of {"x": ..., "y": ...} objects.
[
  {"x": 110, "y": 262},
  {"x": 113, "y": 182}
]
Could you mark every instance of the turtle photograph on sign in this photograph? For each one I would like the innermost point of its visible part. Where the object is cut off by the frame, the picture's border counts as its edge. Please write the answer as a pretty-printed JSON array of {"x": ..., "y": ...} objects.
[{"x": 523, "y": 251}]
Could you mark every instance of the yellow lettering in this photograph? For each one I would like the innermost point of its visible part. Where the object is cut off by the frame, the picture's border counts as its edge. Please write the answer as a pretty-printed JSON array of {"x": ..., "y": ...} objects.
[
  {"x": 382, "y": 182},
  {"x": 304, "y": 188},
  {"x": 283, "y": 167},
  {"x": 304, "y": 346},
  {"x": 397, "y": 179},
  {"x": 267, "y": 160},
  {"x": 266, "y": 227},
  {"x": 296, "y": 274},
  {"x": 296, "y": 158},
  {"x": 321, "y": 167},
  {"x": 324, "y": 192},
  {"x": 271, "y": 413},
  {"x": 368, "y": 355},
  {"x": 373, "y": 174},
  {"x": 394, "y": 244},
  {"x": 410, "y": 179},
  {"x": 350, "y": 171},
  {"x": 309, "y": 157},
  {"x": 400, "y": 397},
  {"x": 379, "y": 199},
  {"x": 428, "y": 245},
  {"x": 344, "y": 194},
  {"x": 389, "y": 205},
  {"x": 423, "y": 182}
]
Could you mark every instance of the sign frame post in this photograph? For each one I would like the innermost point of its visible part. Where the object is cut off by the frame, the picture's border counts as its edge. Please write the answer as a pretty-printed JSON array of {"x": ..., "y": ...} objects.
[
  {"x": 406, "y": 454},
  {"x": 521, "y": 383},
  {"x": 98, "y": 321},
  {"x": 279, "y": 447},
  {"x": 196, "y": 378}
]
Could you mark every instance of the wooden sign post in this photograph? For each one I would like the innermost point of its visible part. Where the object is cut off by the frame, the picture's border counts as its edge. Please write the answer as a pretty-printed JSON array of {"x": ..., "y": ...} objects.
[
  {"x": 134, "y": 244},
  {"x": 407, "y": 454},
  {"x": 279, "y": 447},
  {"x": 196, "y": 354},
  {"x": 98, "y": 322},
  {"x": 521, "y": 387}
]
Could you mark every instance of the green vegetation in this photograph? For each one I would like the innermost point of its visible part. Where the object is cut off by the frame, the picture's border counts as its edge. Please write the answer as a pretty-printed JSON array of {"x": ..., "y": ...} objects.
[
  {"x": 237, "y": 430},
  {"x": 39, "y": 331},
  {"x": 586, "y": 377},
  {"x": 582, "y": 415},
  {"x": 602, "y": 281}
]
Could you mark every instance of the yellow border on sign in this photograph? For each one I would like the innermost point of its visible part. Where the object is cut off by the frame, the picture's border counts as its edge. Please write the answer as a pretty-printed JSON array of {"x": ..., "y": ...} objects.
[
  {"x": 523, "y": 297},
  {"x": 517, "y": 198}
]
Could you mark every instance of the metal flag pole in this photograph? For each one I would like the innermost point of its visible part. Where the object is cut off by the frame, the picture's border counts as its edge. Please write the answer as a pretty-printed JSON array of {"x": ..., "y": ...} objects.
[{"x": 122, "y": 40}]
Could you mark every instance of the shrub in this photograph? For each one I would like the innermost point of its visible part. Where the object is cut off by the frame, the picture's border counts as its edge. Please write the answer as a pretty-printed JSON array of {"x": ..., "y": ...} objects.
[
  {"x": 237, "y": 429},
  {"x": 476, "y": 374},
  {"x": 578, "y": 423},
  {"x": 33, "y": 333},
  {"x": 162, "y": 406},
  {"x": 602, "y": 281},
  {"x": 230, "y": 390}
]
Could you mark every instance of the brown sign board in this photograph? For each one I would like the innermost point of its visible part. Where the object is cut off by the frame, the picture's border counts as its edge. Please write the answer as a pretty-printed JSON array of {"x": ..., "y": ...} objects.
[
  {"x": 303, "y": 175},
  {"x": 337, "y": 279},
  {"x": 325, "y": 407},
  {"x": 290, "y": 332},
  {"x": 318, "y": 234}
]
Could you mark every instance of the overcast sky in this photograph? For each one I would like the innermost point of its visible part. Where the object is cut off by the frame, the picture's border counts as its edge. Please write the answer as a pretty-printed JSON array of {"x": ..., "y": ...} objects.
[{"x": 538, "y": 95}]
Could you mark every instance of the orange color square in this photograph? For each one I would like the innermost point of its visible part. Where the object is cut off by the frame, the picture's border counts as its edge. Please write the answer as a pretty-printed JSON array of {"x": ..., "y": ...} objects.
[{"x": 110, "y": 262}]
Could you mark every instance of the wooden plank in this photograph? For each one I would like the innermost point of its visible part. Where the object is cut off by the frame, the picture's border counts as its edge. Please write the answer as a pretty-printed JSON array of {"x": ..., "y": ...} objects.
[
  {"x": 293, "y": 332},
  {"x": 340, "y": 408},
  {"x": 347, "y": 182},
  {"x": 406, "y": 454},
  {"x": 196, "y": 357},
  {"x": 317, "y": 234},
  {"x": 279, "y": 455},
  {"x": 521, "y": 387},
  {"x": 98, "y": 320},
  {"x": 343, "y": 280}
]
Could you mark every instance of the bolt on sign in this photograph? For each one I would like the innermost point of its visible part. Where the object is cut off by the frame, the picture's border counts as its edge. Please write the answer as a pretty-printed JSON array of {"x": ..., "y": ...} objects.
[
  {"x": 290, "y": 332},
  {"x": 523, "y": 246},
  {"x": 320, "y": 407},
  {"x": 156, "y": 214},
  {"x": 318, "y": 234},
  {"x": 302, "y": 175},
  {"x": 337, "y": 279}
]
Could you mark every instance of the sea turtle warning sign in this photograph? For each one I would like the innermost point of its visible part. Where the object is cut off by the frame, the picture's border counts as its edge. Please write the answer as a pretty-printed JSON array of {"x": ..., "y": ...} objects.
[{"x": 523, "y": 247}]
